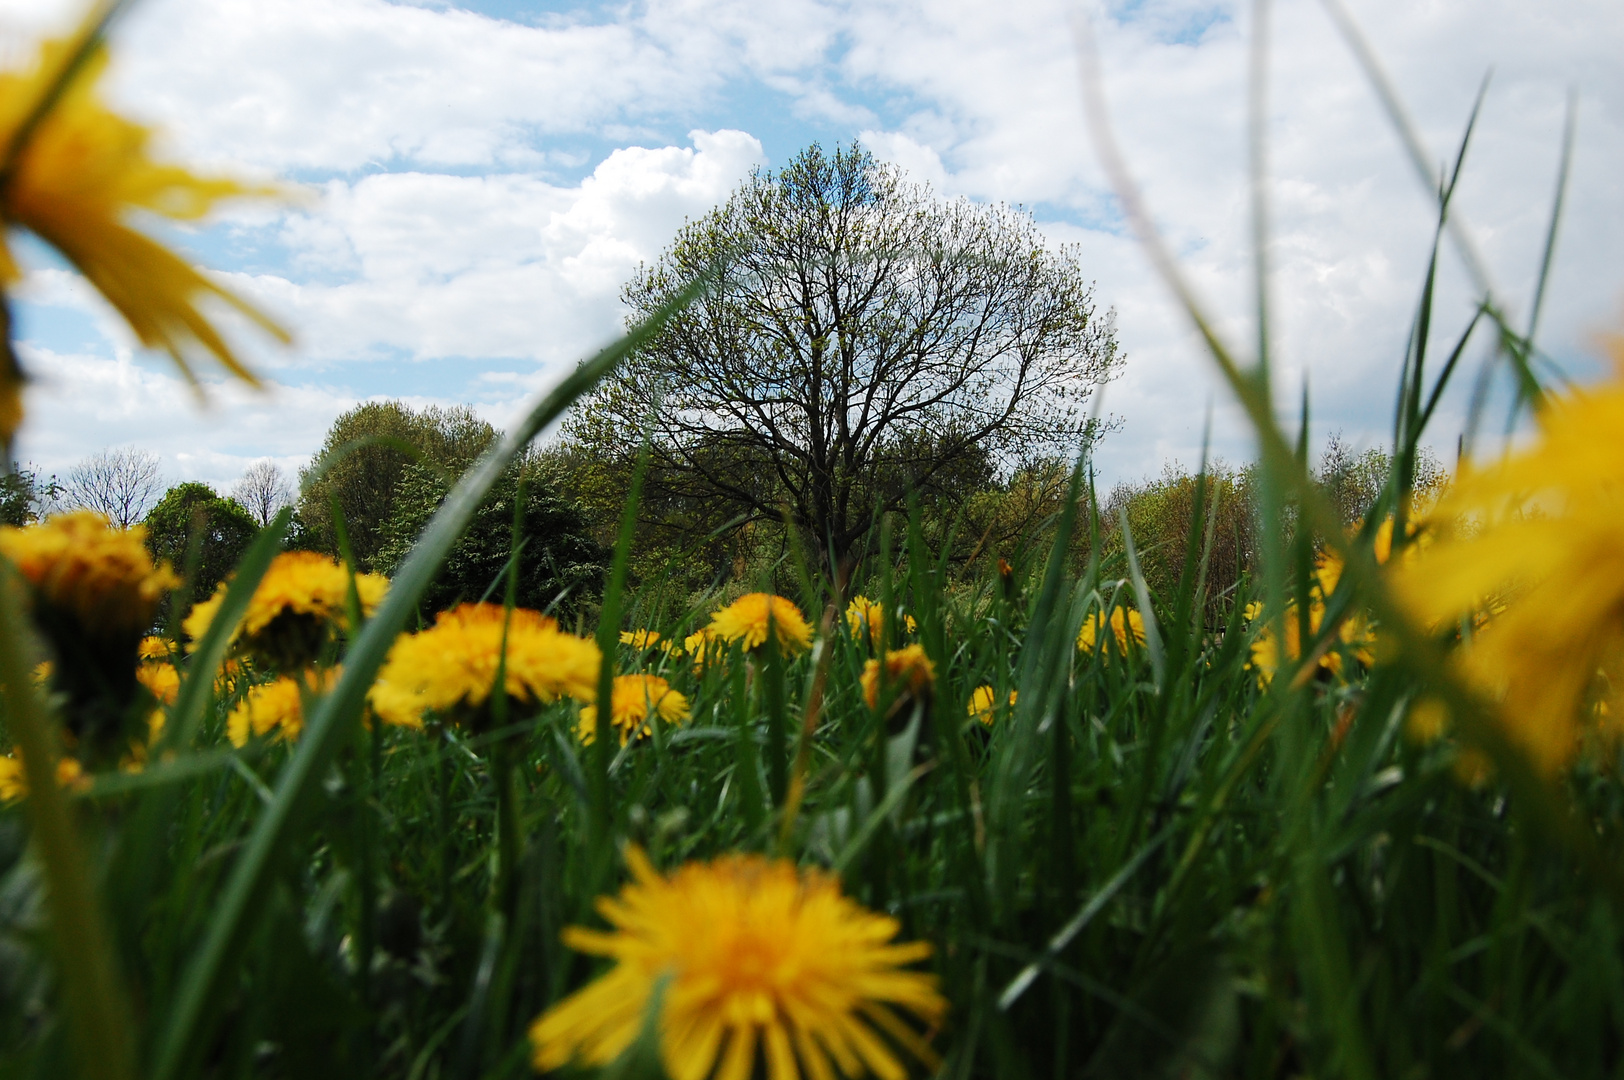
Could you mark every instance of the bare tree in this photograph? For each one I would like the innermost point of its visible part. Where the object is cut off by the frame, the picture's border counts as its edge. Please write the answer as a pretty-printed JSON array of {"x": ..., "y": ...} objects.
[
  {"x": 263, "y": 489},
  {"x": 121, "y": 483},
  {"x": 866, "y": 340}
]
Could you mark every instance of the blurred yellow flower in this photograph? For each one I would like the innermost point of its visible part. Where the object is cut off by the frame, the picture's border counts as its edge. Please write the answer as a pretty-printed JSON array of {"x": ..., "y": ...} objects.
[
  {"x": 161, "y": 680},
  {"x": 450, "y": 668},
  {"x": 745, "y": 620},
  {"x": 292, "y": 613},
  {"x": 14, "y": 782},
  {"x": 760, "y": 954},
  {"x": 1126, "y": 624},
  {"x": 639, "y": 639},
  {"x": 154, "y": 648},
  {"x": 908, "y": 672},
  {"x": 863, "y": 614},
  {"x": 983, "y": 701},
  {"x": 75, "y": 178},
  {"x": 277, "y": 706},
  {"x": 1536, "y": 540},
  {"x": 704, "y": 646},
  {"x": 80, "y": 564},
  {"x": 634, "y": 700},
  {"x": 1353, "y": 635}
]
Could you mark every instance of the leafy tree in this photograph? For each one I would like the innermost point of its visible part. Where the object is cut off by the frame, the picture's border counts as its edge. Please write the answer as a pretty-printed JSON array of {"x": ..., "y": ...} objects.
[
  {"x": 24, "y": 496},
  {"x": 365, "y": 457},
  {"x": 556, "y": 554},
  {"x": 222, "y": 527},
  {"x": 863, "y": 339}
]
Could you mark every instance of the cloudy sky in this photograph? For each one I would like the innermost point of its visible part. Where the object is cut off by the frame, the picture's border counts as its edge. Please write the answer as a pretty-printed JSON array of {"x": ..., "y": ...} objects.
[{"x": 480, "y": 178}]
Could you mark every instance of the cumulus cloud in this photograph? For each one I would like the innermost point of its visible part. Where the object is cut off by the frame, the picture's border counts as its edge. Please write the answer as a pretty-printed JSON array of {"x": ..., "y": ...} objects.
[{"x": 460, "y": 252}]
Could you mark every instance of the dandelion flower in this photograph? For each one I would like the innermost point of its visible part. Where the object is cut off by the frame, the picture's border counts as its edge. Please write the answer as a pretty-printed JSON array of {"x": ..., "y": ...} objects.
[
  {"x": 291, "y": 616},
  {"x": 450, "y": 668},
  {"x": 79, "y": 564},
  {"x": 153, "y": 647},
  {"x": 1353, "y": 634},
  {"x": 908, "y": 670},
  {"x": 639, "y": 639},
  {"x": 70, "y": 775},
  {"x": 277, "y": 707},
  {"x": 983, "y": 701},
  {"x": 161, "y": 680},
  {"x": 634, "y": 700},
  {"x": 95, "y": 590},
  {"x": 1541, "y": 552},
  {"x": 745, "y": 620},
  {"x": 1126, "y": 624},
  {"x": 758, "y": 953},
  {"x": 864, "y": 614},
  {"x": 75, "y": 179}
]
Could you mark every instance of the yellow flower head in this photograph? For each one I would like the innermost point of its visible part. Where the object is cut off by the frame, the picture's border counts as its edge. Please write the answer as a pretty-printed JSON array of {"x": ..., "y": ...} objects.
[
  {"x": 154, "y": 648},
  {"x": 450, "y": 668},
  {"x": 639, "y": 639},
  {"x": 1353, "y": 634},
  {"x": 161, "y": 680},
  {"x": 758, "y": 953},
  {"x": 81, "y": 565},
  {"x": 983, "y": 701},
  {"x": 908, "y": 671},
  {"x": 1535, "y": 540},
  {"x": 863, "y": 614},
  {"x": 301, "y": 598},
  {"x": 1126, "y": 624},
  {"x": 634, "y": 700},
  {"x": 74, "y": 182},
  {"x": 745, "y": 620},
  {"x": 277, "y": 707},
  {"x": 14, "y": 781}
]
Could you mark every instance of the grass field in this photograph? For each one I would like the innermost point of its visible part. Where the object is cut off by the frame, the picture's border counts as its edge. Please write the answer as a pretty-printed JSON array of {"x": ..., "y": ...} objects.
[{"x": 1360, "y": 816}]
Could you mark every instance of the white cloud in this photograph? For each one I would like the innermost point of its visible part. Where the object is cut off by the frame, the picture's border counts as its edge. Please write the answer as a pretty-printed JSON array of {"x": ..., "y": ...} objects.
[{"x": 446, "y": 143}]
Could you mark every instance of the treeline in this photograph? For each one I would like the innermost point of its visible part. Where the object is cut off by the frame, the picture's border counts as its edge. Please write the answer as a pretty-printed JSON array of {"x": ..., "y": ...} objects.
[{"x": 385, "y": 468}]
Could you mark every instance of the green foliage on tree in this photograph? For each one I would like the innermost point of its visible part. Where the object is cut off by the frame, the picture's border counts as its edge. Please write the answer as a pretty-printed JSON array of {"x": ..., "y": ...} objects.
[
  {"x": 867, "y": 342},
  {"x": 221, "y": 527},
  {"x": 23, "y": 494},
  {"x": 557, "y": 557},
  {"x": 363, "y": 460}
]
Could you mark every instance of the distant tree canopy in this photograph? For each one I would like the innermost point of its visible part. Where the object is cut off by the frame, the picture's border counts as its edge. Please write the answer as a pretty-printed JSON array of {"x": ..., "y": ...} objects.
[
  {"x": 865, "y": 340},
  {"x": 388, "y": 468},
  {"x": 556, "y": 554},
  {"x": 365, "y": 457},
  {"x": 223, "y": 529}
]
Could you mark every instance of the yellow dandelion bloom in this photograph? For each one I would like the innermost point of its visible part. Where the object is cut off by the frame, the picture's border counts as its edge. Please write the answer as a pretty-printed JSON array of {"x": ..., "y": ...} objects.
[
  {"x": 745, "y": 620},
  {"x": 758, "y": 953},
  {"x": 80, "y": 564},
  {"x": 1534, "y": 540},
  {"x": 865, "y": 615},
  {"x": 1126, "y": 624},
  {"x": 301, "y": 598},
  {"x": 634, "y": 700},
  {"x": 78, "y": 175},
  {"x": 1353, "y": 635},
  {"x": 277, "y": 707},
  {"x": 983, "y": 701},
  {"x": 907, "y": 670},
  {"x": 705, "y": 646},
  {"x": 70, "y": 775},
  {"x": 450, "y": 668},
  {"x": 154, "y": 648},
  {"x": 639, "y": 639},
  {"x": 161, "y": 680}
]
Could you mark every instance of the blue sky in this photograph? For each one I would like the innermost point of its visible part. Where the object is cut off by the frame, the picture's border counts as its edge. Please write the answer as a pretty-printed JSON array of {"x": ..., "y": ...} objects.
[{"x": 478, "y": 179}]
